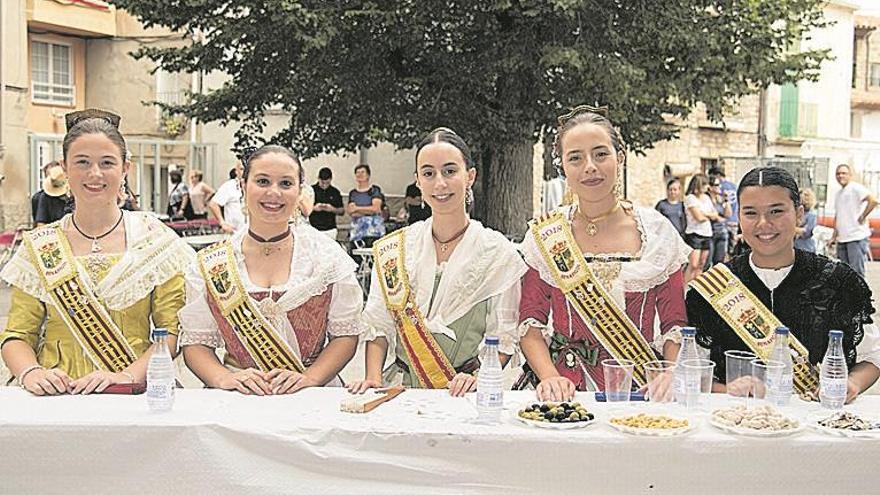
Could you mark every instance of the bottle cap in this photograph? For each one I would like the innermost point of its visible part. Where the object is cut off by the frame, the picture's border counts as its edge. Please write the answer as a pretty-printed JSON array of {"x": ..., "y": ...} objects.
[
  {"x": 689, "y": 331},
  {"x": 491, "y": 340},
  {"x": 782, "y": 331},
  {"x": 836, "y": 334},
  {"x": 160, "y": 332}
]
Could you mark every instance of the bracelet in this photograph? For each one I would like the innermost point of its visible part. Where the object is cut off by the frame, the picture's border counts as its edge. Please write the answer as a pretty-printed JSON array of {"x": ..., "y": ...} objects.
[
  {"x": 26, "y": 371},
  {"x": 128, "y": 375}
]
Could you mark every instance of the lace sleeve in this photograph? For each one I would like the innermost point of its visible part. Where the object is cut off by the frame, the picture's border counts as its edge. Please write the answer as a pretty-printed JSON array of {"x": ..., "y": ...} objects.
[
  {"x": 376, "y": 315},
  {"x": 21, "y": 273},
  {"x": 197, "y": 324},
  {"x": 345, "y": 309},
  {"x": 535, "y": 303}
]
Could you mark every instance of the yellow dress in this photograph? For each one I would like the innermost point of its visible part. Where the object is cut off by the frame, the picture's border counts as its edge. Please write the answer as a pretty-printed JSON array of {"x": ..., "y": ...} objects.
[{"x": 58, "y": 348}]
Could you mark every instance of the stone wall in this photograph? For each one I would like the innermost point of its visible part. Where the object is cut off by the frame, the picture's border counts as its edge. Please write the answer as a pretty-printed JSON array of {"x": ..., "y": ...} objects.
[{"x": 698, "y": 139}]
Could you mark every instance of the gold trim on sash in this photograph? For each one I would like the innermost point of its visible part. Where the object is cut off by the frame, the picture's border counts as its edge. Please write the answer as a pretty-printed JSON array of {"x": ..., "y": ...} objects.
[
  {"x": 88, "y": 320},
  {"x": 427, "y": 359},
  {"x": 253, "y": 330},
  {"x": 753, "y": 322},
  {"x": 593, "y": 304}
]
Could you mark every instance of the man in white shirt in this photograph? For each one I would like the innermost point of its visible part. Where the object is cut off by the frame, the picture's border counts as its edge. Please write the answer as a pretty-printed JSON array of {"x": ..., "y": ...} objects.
[
  {"x": 228, "y": 196},
  {"x": 851, "y": 230}
]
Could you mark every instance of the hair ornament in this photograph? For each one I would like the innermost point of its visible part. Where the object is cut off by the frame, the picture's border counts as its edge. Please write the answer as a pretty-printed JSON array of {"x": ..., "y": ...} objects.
[
  {"x": 601, "y": 110},
  {"x": 73, "y": 118}
]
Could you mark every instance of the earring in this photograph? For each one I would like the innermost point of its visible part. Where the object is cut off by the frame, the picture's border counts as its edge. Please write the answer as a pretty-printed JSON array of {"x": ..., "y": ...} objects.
[
  {"x": 244, "y": 208},
  {"x": 568, "y": 197},
  {"x": 617, "y": 190},
  {"x": 469, "y": 198}
]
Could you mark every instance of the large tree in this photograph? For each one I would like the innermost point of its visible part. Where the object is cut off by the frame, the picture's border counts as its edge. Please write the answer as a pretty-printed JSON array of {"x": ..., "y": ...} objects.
[{"x": 352, "y": 73}]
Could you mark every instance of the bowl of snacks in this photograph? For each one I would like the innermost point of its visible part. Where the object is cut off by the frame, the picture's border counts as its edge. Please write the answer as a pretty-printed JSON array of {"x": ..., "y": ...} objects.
[
  {"x": 756, "y": 421},
  {"x": 555, "y": 415},
  {"x": 846, "y": 424},
  {"x": 654, "y": 425}
]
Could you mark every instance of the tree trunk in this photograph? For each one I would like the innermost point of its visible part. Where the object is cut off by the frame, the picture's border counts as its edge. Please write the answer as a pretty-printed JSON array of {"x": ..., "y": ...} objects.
[{"x": 506, "y": 202}]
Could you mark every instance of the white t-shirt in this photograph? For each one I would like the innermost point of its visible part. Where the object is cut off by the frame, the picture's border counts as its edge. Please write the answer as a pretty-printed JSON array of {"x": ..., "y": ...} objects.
[
  {"x": 704, "y": 204},
  {"x": 848, "y": 206},
  {"x": 228, "y": 196}
]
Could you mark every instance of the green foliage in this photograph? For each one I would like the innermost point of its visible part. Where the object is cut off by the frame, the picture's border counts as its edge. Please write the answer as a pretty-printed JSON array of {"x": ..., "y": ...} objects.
[{"x": 353, "y": 72}]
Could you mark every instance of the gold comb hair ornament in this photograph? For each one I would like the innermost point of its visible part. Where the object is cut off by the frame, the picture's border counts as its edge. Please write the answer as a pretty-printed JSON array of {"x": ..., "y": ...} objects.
[
  {"x": 603, "y": 111},
  {"x": 73, "y": 118}
]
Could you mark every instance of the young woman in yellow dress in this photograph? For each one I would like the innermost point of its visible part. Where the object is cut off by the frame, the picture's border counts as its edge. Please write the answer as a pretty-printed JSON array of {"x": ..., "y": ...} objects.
[
  {"x": 281, "y": 299},
  {"x": 441, "y": 285},
  {"x": 98, "y": 279}
]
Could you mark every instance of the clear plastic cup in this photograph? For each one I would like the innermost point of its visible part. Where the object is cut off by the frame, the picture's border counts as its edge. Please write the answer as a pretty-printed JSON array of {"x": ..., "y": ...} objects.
[
  {"x": 618, "y": 379},
  {"x": 738, "y": 371},
  {"x": 660, "y": 380},
  {"x": 766, "y": 378},
  {"x": 698, "y": 375}
]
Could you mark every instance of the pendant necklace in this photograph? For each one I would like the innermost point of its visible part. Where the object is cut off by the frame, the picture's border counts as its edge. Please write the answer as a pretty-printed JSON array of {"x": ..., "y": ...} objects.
[
  {"x": 591, "y": 227},
  {"x": 444, "y": 245},
  {"x": 267, "y": 250},
  {"x": 96, "y": 248}
]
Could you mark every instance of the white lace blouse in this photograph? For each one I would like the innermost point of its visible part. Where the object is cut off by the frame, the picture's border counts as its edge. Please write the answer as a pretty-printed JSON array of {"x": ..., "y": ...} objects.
[
  {"x": 485, "y": 266},
  {"x": 318, "y": 263}
]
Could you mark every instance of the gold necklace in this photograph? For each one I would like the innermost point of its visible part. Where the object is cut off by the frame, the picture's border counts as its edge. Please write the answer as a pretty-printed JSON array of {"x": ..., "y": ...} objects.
[{"x": 591, "y": 227}]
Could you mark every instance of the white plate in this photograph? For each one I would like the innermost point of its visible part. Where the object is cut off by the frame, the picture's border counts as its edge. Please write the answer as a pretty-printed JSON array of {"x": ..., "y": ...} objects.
[
  {"x": 750, "y": 432},
  {"x": 514, "y": 414},
  {"x": 653, "y": 432}
]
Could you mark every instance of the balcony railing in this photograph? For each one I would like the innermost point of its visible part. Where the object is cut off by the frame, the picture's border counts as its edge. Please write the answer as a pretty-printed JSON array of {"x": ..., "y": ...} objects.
[{"x": 56, "y": 94}]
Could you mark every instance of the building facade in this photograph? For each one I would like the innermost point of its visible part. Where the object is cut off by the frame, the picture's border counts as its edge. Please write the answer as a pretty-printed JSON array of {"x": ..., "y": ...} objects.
[
  {"x": 59, "y": 57},
  {"x": 809, "y": 127}
]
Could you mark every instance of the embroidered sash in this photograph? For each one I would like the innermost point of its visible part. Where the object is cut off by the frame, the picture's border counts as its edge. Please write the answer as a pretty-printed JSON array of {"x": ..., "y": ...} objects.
[
  {"x": 250, "y": 328},
  {"x": 593, "y": 304},
  {"x": 427, "y": 359},
  {"x": 753, "y": 322},
  {"x": 74, "y": 297}
]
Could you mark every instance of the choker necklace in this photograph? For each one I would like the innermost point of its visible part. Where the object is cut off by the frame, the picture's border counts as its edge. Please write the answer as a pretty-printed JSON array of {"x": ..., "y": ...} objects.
[
  {"x": 267, "y": 250},
  {"x": 591, "y": 227},
  {"x": 444, "y": 245},
  {"x": 96, "y": 248}
]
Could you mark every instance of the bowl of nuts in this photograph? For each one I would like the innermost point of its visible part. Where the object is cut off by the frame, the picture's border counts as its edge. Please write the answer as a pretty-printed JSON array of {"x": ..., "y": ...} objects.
[
  {"x": 755, "y": 421},
  {"x": 555, "y": 415}
]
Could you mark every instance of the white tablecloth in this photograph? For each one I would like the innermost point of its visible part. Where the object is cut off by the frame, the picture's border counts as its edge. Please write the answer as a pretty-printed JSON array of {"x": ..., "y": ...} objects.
[{"x": 216, "y": 442}]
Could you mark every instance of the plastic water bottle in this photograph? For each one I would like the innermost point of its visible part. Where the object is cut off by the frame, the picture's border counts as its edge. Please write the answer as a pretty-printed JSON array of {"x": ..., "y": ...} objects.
[
  {"x": 160, "y": 374},
  {"x": 780, "y": 393},
  {"x": 490, "y": 389},
  {"x": 834, "y": 374},
  {"x": 688, "y": 351}
]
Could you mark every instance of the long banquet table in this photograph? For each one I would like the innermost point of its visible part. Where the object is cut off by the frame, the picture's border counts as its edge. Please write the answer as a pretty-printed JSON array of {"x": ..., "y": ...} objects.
[{"x": 217, "y": 442}]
